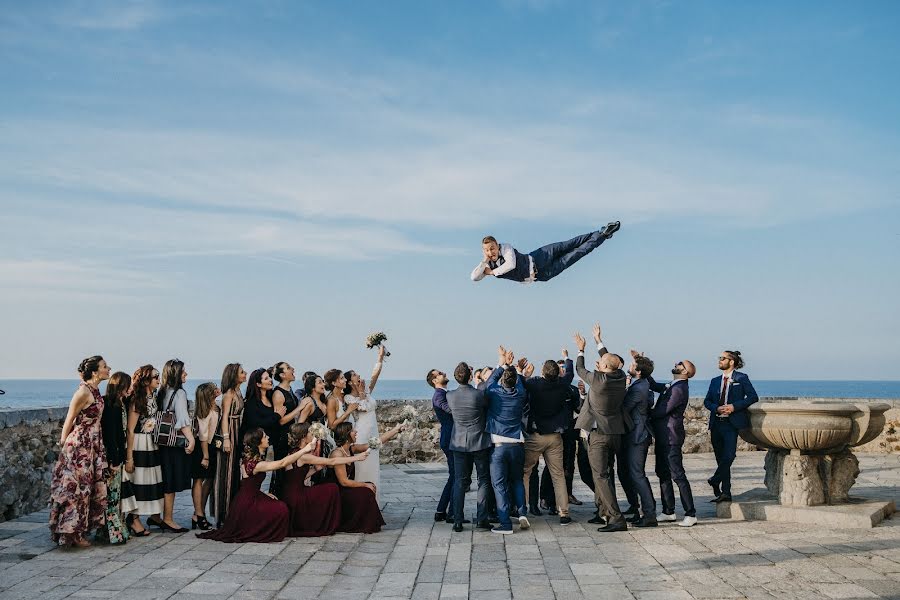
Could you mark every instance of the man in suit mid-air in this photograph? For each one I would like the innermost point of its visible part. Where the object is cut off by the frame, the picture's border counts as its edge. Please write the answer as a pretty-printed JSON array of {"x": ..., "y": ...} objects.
[{"x": 543, "y": 264}]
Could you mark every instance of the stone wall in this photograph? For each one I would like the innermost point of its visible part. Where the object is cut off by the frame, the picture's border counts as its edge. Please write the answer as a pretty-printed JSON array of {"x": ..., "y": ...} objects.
[
  {"x": 28, "y": 452},
  {"x": 28, "y": 445}
]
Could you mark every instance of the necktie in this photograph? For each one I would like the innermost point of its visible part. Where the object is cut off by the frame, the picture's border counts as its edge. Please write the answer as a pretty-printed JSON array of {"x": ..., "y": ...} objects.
[{"x": 723, "y": 395}]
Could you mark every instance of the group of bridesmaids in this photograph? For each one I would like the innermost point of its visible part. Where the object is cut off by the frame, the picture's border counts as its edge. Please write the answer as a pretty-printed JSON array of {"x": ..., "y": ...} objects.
[{"x": 110, "y": 471}]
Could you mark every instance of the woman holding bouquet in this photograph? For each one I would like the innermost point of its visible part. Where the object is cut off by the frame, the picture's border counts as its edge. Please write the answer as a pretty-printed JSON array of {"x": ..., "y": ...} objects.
[
  {"x": 143, "y": 473},
  {"x": 359, "y": 506},
  {"x": 315, "y": 509},
  {"x": 254, "y": 515},
  {"x": 358, "y": 394}
]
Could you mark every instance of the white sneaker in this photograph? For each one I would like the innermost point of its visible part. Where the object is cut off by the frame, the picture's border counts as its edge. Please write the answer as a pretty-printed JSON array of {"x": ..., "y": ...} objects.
[
  {"x": 662, "y": 517},
  {"x": 688, "y": 522},
  {"x": 523, "y": 522},
  {"x": 502, "y": 531}
]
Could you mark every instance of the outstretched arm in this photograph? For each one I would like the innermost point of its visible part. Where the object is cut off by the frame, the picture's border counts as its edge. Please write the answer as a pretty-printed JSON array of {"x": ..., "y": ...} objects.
[{"x": 376, "y": 372}]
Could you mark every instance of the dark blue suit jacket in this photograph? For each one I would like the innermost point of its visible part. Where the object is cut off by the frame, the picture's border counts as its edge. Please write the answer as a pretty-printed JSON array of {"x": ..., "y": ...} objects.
[
  {"x": 506, "y": 408},
  {"x": 637, "y": 403},
  {"x": 740, "y": 395},
  {"x": 667, "y": 417},
  {"x": 442, "y": 410}
]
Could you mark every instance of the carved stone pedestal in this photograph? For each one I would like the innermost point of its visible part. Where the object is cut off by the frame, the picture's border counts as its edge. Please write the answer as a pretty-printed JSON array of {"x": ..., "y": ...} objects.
[{"x": 798, "y": 479}]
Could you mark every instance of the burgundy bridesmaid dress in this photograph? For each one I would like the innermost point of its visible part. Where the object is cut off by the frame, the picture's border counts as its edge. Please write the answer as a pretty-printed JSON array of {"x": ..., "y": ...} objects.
[
  {"x": 253, "y": 516},
  {"x": 359, "y": 508},
  {"x": 316, "y": 510}
]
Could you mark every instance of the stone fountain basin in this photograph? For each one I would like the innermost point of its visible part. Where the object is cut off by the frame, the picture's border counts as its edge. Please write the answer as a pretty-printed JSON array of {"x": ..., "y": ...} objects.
[{"x": 817, "y": 426}]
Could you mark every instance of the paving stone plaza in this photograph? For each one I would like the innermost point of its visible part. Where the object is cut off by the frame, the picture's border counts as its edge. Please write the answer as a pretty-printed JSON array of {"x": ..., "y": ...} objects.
[{"x": 415, "y": 558}]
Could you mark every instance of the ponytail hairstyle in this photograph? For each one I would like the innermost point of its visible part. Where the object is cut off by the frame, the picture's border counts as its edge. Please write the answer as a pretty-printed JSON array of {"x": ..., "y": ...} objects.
[
  {"x": 230, "y": 378},
  {"x": 171, "y": 378},
  {"x": 296, "y": 434},
  {"x": 140, "y": 388},
  {"x": 331, "y": 377},
  {"x": 205, "y": 400},
  {"x": 736, "y": 357},
  {"x": 252, "y": 439},
  {"x": 89, "y": 366},
  {"x": 342, "y": 433},
  {"x": 117, "y": 389}
]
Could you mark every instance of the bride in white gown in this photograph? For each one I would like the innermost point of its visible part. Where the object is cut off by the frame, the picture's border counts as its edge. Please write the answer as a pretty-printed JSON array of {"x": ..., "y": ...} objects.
[{"x": 366, "y": 421}]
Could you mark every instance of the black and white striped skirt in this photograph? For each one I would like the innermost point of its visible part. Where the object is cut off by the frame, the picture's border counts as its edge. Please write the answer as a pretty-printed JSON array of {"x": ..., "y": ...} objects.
[{"x": 142, "y": 490}]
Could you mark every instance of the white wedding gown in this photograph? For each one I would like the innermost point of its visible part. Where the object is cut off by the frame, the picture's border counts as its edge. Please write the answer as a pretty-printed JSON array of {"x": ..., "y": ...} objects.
[{"x": 366, "y": 428}]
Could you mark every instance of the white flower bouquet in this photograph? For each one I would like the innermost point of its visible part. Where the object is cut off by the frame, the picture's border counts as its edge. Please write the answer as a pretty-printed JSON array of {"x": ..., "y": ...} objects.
[
  {"x": 374, "y": 443},
  {"x": 149, "y": 425},
  {"x": 318, "y": 431},
  {"x": 377, "y": 339}
]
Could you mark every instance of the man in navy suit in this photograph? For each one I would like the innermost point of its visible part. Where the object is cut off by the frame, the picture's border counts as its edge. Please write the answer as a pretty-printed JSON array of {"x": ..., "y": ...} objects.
[
  {"x": 438, "y": 380},
  {"x": 638, "y": 402},
  {"x": 728, "y": 398},
  {"x": 667, "y": 422}
]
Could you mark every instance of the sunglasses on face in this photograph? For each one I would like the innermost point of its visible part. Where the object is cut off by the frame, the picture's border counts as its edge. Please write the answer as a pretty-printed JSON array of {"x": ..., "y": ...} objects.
[{"x": 721, "y": 358}]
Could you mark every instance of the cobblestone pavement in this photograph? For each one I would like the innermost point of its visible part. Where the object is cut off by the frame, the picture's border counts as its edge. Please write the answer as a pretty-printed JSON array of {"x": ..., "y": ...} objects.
[{"x": 416, "y": 558}]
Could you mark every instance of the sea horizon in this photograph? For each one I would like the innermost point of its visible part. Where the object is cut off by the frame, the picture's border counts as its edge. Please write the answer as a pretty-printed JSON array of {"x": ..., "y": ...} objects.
[{"x": 52, "y": 393}]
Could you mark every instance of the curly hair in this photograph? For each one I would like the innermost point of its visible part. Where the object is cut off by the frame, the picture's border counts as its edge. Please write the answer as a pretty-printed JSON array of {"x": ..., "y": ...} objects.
[
  {"x": 89, "y": 366},
  {"x": 309, "y": 384},
  {"x": 252, "y": 439},
  {"x": 296, "y": 434},
  {"x": 140, "y": 388},
  {"x": 331, "y": 377}
]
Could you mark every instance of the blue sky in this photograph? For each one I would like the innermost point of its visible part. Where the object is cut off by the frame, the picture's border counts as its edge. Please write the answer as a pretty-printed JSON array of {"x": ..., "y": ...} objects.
[{"x": 264, "y": 181}]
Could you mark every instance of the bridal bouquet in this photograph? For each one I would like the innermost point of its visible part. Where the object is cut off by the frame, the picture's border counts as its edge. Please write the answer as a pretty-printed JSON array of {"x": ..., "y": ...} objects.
[
  {"x": 318, "y": 431},
  {"x": 374, "y": 443},
  {"x": 409, "y": 412},
  {"x": 376, "y": 339}
]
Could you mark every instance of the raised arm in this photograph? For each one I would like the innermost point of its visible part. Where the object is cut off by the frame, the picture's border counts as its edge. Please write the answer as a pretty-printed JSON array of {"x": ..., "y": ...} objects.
[
  {"x": 273, "y": 465},
  {"x": 376, "y": 372},
  {"x": 655, "y": 386},
  {"x": 677, "y": 398},
  {"x": 569, "y": 371},
  {"x": 340, "y": 472}
]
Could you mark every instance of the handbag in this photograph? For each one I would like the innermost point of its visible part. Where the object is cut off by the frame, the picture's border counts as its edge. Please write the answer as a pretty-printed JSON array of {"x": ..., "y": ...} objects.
[
  {"x": 165, "y": 433},
  {"x": 218, "y": 440}
]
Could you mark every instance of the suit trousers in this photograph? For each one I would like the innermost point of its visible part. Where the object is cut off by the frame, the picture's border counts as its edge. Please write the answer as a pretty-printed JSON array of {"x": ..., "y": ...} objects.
[
  {"x": 551, "y": 446},
  {"x": 445, "y": 504},
  {"x": 724, "y": 442},
  {"x": 623, "y": 469},
  {"x": 636, "y": 459},
  {"x": 600, "y": 447},
  {"x": 585, "y": 473},
  {"x": 553, "y": 259},
  {"x": 547, "y": 493},
  {"x": 669, "y": 468},
  {"x": 463, "y": 462},
  {"x": 506, "y": 479}
]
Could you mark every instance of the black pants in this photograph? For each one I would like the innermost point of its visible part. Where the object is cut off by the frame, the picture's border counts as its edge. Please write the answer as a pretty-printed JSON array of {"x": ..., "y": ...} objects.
[
  {"x": 669, "y": 468},
  {"x": 445, "y": 504},
  {"x": 584, "y": 464},
  {"x": 636, "y": 459},
  {"x": 553, "y": 259},
  {"x": 463, "y": 463},
  {"x": 623, "y": 469},
  {"x": 724, "y": 442}
]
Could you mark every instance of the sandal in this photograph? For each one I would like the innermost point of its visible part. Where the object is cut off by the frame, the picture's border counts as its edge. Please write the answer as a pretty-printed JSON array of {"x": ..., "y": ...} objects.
[{"x": 198, "y": 522}]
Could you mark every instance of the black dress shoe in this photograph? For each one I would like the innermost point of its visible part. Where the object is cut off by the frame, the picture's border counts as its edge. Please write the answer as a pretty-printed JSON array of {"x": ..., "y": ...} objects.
[
  {"x": 156, "y": 522},
  {"x": 457, "y": 527},
  {"x": 486, "y": 525},
  {"x": 631, "y": 510},
  {"x": 440, "y": 516},
  {"x": 565, "y": 520},
  {"x": 596, "y": 520},
  {"x": 610, "y": 229},
  {"x": 535, "y": 511},
  {"x": 717, "y": 491},
  {"x": 647, "y": 521},
  {"x": 633, "y": 519},
  {"x": 623, "y": 526},
  {"x": 723, "y": 498},
  {"x": 450, "y": 520}
]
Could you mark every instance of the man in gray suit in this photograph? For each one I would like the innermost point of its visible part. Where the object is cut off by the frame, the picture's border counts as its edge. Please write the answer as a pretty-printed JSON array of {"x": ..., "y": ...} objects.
[
  {"x": 471, "y": 445},
  {"x": 603, "y": 423}
]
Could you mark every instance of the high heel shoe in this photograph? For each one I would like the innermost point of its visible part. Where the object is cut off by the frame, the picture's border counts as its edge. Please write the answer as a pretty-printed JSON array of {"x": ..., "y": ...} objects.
[
  {"x": 142, "y": 533},
  {"x": 169, "y": 529},
  {"x": 156, "y": 523},
  {"x": 198, "y": 522}
]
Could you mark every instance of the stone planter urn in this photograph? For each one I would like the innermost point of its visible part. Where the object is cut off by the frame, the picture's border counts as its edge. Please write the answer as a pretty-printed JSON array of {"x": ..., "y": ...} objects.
[{"x": 809, "y": 461}]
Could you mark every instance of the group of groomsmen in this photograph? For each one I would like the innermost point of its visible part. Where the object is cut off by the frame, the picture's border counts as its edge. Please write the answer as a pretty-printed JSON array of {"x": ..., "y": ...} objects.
[{"x": 502, "y": 420}]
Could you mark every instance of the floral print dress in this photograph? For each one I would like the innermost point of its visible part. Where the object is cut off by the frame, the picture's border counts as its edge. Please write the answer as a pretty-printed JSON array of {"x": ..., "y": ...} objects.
[{"x": 78, "y": 492}]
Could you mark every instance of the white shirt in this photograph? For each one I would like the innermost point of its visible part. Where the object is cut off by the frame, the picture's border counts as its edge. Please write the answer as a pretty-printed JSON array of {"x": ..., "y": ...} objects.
[{"x": 509, "y": 263}]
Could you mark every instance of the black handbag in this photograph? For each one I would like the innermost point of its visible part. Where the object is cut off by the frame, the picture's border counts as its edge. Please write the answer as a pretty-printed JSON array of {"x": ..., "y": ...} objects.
[
  {"x": 165, "y": 433},
  {"x": 218, "y": 440}
]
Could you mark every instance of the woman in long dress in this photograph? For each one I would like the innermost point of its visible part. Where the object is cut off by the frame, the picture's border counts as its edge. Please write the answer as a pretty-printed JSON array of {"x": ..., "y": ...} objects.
[
  {"x": 78, "y": 489},
  {"x": 113, "y": 425},
  {"x": 254, "y": 515},
  {"x": 228, "y": 461},
  {"x": 283, "y": 398},
  {"x": 366, "y": 420},
  {"x": 175, "y": 461},
  {"x": 142, "y": 481},
  {"x": 315, "y": 509}
]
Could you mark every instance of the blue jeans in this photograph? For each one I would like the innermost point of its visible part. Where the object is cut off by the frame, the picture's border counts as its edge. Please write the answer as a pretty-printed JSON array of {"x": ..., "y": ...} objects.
[
  {"x": 445, "y": 504},
  {"x": 463, "y": 462},
  {"x": 553, "y": 259},
  {"x": 724, "y": 442},
  {"x": 507, "y": 470}
]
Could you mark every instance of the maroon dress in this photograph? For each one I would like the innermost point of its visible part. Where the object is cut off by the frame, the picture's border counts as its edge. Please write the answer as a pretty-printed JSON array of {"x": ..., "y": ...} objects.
[
  {"x": 315, "y": 510},
  {"x": 359, "y": 508},
  {"x": 253, "y": 516}
]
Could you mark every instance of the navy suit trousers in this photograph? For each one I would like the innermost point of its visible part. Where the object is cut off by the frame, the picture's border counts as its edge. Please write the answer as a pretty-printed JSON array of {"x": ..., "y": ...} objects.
[
  {"x": 553, "y": 259},
  {"x": 724, "y": 442},
  {"x": 669, "y": 468},
  {"x": 445, "y": 504}
]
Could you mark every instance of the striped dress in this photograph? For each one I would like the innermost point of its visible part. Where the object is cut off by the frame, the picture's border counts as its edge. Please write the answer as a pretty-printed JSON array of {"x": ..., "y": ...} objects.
[
  {"x": 142, "y": 490},
  {"x": 228, "y": 476}
]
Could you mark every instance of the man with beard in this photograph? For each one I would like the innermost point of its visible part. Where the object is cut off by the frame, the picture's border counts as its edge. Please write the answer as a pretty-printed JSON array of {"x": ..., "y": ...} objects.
[
  {"x": 438, "y": 380},
  {"x": 636, "y": 443},
  {"x": 667, "y": 423}
]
